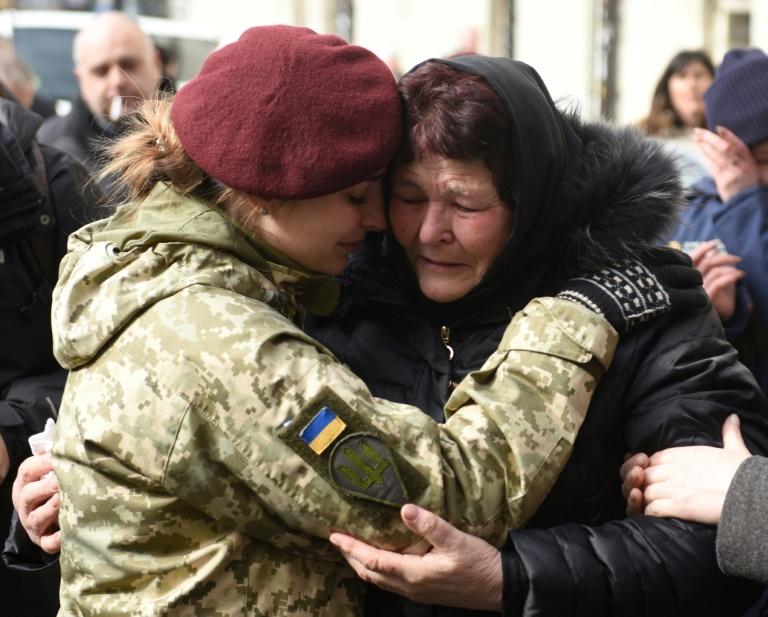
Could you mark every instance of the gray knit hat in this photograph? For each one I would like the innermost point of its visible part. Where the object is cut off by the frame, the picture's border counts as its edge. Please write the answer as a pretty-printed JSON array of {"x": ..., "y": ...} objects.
[{"x": 738, "y": 97}]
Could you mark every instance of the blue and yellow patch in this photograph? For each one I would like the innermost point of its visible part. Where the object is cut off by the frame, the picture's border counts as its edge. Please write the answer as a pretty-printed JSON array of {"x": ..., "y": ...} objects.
[
  {"x": 322, "y": 430},
  {"x": 342, "y": 446}
]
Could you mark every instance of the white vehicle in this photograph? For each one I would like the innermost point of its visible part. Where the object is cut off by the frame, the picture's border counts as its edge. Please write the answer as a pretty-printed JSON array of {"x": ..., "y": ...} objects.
[{"x": 43, "y": 39}]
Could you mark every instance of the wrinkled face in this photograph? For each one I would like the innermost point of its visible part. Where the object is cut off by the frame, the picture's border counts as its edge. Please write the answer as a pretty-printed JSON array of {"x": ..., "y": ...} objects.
[
  {"x": 686, "y": 92},
  {"x": 116, "y": 61},
  {"x": 321, "y": 233},
  {"x": 760, "y": 152},
  {"x": 449, "y": 218}
]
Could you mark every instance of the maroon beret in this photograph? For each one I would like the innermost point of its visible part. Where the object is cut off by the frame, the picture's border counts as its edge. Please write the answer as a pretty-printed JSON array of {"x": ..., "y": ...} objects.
[{"x": 287, "y": 113}]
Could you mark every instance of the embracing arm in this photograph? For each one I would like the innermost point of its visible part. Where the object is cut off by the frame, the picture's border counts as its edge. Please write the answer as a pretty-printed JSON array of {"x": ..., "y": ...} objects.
[
  {"x": 680, "y": 396},
  {"x": 718, "y": 486},
  {"x": 486, "y": 469}
]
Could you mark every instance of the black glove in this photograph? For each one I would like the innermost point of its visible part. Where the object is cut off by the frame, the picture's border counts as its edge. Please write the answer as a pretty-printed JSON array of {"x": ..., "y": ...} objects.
[{"x": 634, "y": 291}]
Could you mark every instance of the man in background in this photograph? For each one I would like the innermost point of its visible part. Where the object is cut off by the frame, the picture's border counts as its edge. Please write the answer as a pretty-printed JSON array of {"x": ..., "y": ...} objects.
[{"x": 117, "y": 67}]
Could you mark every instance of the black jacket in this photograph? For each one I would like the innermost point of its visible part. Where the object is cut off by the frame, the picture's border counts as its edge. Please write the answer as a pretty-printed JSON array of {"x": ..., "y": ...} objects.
[
  {"x": 84, "y": 136},
  {"x": 79, "y": 134},
  {"x": 35, "y": 222},
  {"x": 671, "y": 383},
  {"x": 46, "y": 195}
]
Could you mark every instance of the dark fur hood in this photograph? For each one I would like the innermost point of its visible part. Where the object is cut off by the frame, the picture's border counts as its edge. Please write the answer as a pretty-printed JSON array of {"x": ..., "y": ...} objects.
[{"x": 623, "y": 194}]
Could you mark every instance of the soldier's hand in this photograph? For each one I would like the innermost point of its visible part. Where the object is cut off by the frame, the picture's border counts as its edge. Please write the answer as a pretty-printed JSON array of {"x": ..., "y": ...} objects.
[
  {"x": 459, "y": 570},
  {"x": 36, "y": 499},
  {"x": 632, "y": 292}
]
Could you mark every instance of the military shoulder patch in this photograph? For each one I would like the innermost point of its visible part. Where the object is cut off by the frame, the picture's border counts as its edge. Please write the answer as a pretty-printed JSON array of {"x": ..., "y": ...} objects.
[
  {"x": 362, "y": 465},
  {"x": 342, "y": 446},
  {"x": 322, "y": 430}
]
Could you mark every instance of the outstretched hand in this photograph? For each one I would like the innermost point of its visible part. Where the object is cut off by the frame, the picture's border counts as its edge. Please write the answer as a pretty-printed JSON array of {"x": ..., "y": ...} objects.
[
  {"x": 691, "y": 482},
  {"x": 459, "y": 570}
]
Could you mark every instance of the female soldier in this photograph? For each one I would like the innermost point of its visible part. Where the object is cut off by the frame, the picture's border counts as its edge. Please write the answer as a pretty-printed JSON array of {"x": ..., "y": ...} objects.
[{"x": 205, "y": 443}]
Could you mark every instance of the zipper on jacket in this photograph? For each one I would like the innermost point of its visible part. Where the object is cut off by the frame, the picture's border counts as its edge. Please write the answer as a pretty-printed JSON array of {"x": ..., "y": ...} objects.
[{"x": 445, "y": 336}]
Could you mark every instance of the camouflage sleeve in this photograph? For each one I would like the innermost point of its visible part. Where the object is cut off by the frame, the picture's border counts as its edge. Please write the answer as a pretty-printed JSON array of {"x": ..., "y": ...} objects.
[{"x": 316, "y": 452}]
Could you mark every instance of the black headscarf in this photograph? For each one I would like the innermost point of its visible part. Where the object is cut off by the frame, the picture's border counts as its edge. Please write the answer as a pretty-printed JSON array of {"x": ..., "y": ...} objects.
[{"x": 545, "y": 149}]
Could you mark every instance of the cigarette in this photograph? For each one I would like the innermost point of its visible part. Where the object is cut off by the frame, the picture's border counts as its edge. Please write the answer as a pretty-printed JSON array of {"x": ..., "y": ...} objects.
[{"x": 116, "y": 108}]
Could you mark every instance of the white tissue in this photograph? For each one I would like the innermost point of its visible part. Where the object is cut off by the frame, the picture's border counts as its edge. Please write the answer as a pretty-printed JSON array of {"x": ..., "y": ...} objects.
[{"x": 41, "y": 443}]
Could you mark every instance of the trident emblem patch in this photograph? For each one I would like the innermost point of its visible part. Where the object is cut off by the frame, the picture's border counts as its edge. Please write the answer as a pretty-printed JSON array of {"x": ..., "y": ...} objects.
[{"x": 361, "y": 465}]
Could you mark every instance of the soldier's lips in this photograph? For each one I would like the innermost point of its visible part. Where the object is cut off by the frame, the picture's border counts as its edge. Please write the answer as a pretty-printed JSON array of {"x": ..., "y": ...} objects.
[{"x": 349, "y": 247}]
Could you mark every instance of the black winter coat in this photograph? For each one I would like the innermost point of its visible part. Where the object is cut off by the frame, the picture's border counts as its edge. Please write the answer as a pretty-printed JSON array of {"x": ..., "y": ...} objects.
[
  {"x": 671, "y": 383},
  {"x": 35, "y": 221},
  {"x": 79, "y": 134}
]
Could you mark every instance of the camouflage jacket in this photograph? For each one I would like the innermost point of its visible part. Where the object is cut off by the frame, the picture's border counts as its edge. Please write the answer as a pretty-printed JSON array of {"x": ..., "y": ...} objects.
[{"x": 206, "y": 445}]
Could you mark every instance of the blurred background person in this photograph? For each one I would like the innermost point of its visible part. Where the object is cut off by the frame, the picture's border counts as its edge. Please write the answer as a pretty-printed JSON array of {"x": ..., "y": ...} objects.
[
  {"x": 677, "y": 107},
  {"x": 725, "y": 222},
  {"x": 117, "y": 67},
  {"x": 22, "y": 83},
  {"x": 42, "y": 204}
]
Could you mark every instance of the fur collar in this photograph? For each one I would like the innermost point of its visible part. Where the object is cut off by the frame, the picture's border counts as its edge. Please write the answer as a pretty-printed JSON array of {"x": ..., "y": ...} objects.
[{"x": 624, "y": 194}]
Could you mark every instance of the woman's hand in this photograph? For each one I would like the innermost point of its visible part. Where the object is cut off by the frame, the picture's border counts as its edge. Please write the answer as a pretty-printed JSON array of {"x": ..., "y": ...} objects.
[
  {"x": 728, "y": 159},
  {"x": 36, "y": 499},
  {"x": 632, "y": 474},
  {"x": 459, "y": 570},
  {"x": 691, "y": 482},
  {"x": 719, "y": 276}
]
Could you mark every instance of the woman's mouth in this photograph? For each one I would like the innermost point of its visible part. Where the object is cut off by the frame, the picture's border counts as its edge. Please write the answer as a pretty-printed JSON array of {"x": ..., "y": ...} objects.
[{"x": 437, "y": 266}]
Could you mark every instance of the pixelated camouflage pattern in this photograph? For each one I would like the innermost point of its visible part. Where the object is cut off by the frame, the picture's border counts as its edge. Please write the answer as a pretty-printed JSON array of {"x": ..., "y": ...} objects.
[{"x": 179, "y": 498}]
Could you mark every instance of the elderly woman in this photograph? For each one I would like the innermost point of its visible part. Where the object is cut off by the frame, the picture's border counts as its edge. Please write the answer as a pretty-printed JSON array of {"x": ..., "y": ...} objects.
[{"x": 497, "y": 197}]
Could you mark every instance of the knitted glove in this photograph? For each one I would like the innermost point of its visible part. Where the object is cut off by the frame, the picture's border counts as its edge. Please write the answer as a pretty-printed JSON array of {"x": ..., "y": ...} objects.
[{"x": 635, "y": 291}]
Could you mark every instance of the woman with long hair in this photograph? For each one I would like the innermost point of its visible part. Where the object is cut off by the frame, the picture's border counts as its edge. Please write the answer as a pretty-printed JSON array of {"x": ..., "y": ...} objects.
[{"x": 677, "y": 105}]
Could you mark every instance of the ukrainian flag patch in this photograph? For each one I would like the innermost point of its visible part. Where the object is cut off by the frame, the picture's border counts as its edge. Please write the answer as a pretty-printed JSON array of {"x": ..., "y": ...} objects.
[{"x": 322, "y": 430}]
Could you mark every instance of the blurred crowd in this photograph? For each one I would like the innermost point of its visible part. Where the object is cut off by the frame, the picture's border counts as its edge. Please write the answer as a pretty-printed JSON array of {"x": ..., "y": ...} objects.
[{"x": 612, "y": 478}]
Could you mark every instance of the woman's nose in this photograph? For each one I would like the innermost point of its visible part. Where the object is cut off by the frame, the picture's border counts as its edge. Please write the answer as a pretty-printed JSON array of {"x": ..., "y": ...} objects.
[{"x": 436, "y": 226}]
